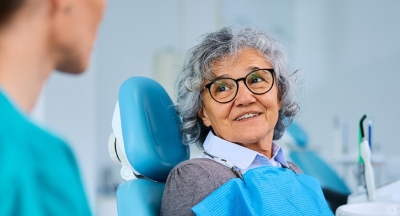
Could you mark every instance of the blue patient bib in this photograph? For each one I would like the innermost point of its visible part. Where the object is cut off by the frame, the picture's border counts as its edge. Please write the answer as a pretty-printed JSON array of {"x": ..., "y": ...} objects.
[{"x": 266, "y": 191}]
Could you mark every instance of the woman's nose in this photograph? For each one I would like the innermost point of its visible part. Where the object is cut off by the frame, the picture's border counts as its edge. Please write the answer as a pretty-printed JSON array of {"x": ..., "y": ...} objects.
[{"x": 244, "y": 96}]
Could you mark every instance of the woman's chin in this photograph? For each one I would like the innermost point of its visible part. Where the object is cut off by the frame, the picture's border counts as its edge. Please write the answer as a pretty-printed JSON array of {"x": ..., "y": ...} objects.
[
  {"x": 249, "y": 139},
  {"x": 251, "y": 136}
]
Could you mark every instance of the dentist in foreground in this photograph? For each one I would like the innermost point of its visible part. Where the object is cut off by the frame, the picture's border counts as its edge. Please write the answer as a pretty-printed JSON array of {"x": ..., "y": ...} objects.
[
  {"x": 38, "y": 171},
  {"x": 235, "y": 97}
]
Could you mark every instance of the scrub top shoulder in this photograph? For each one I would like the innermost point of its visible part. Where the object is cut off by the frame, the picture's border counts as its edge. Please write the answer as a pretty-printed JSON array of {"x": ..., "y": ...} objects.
[{"x": 38, "y": 171}]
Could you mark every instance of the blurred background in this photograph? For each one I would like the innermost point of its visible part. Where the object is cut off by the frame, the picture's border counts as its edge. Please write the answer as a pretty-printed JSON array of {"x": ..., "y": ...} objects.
[{"x": 347, "y": 52}]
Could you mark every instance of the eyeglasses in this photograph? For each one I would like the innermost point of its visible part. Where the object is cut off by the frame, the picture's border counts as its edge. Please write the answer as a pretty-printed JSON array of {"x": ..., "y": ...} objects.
[{"x": 224, "y": 90}]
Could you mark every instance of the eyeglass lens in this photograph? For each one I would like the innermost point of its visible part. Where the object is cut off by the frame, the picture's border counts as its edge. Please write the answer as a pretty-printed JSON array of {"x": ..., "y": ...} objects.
[{"x": 225, "y": 89}]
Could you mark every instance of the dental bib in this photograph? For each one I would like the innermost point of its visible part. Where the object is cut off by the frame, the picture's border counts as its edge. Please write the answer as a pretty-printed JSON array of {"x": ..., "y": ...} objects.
[{"x": 266, "y": 190}]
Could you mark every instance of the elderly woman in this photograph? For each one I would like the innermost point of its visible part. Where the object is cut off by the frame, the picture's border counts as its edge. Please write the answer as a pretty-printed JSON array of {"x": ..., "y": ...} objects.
[{"x": 235, "y": 97}]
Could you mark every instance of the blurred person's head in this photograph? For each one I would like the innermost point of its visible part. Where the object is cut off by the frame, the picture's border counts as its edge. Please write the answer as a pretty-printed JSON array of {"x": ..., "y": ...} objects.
[
  {"x": 68, "y": 27},
  {"x": 40, "y": 36}
]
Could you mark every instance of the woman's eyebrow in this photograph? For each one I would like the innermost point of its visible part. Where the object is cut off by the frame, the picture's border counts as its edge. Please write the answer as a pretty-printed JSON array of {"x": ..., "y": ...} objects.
[
  {"x": 222, "y": 76},
  {"x": 248, "y": 69},
  {"x": 253, "y": 68}
]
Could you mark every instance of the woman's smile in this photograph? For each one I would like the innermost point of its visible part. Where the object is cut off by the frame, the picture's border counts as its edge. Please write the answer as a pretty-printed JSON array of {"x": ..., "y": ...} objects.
[{"x": 247, "y": 116}]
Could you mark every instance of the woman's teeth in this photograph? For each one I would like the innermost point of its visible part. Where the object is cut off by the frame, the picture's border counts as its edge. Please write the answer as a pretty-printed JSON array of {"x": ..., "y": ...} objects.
[{"x": 246, "y": 116}]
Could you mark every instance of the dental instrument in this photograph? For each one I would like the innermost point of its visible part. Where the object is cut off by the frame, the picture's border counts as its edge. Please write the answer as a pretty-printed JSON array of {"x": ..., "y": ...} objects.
[
  {"x": 370, "y": 134},
  {"x": 365, "y": 154}
]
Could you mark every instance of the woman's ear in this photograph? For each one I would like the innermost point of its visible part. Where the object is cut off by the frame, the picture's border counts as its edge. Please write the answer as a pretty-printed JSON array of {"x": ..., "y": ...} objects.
[{"x": 203, "y": 115}]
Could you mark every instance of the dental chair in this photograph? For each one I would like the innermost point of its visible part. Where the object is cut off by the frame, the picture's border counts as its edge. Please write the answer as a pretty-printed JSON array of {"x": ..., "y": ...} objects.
[
  {"x": 334, "y": 188},
  {"x": 146, "y": 142}
]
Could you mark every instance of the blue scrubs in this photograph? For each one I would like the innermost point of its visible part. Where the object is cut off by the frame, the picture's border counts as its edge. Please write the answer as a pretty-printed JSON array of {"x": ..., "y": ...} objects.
[{"x": 38, "y": 171}]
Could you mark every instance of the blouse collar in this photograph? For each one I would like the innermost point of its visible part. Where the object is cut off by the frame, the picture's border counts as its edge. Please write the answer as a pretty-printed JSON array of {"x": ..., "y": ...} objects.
[{"x": 240, "y": 156}]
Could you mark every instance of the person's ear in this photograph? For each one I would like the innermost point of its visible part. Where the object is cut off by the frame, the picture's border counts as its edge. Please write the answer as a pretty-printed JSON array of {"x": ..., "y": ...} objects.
[{"x": 203, "y": 115}]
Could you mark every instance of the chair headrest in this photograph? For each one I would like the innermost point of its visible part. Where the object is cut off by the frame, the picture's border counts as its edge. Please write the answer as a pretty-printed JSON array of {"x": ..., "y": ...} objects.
[
  {"x": 150, "y": 128},
  {"x": 298, "y": 134}
]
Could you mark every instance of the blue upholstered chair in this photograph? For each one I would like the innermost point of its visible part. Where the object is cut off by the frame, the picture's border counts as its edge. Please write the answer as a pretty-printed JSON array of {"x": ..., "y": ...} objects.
[
  {"x": 311, "y": 163},
  {"x": 148, "y": 128},
  {"x": 334, "y": 188}
]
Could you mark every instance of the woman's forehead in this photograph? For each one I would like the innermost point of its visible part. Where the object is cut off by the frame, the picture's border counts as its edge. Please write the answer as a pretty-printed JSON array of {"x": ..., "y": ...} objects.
[{"x": 244, "y": 61}]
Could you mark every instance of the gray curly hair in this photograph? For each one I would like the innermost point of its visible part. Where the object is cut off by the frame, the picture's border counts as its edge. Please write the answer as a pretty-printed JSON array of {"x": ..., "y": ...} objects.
[{"x": 197, "y": 68}]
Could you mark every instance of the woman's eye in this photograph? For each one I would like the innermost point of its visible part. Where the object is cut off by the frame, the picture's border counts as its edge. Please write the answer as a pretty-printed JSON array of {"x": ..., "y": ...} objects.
[
  {"x": 222, "y": 88},
  {"x": 256, "y": 79}
]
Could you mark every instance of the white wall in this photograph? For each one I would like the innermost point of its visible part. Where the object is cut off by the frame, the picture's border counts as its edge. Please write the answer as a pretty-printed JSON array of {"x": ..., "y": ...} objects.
[{"x": 347, "y": 51}]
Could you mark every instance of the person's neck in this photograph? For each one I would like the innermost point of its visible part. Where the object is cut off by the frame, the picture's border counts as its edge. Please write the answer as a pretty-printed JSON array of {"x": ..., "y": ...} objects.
[
  {"x": 266, "y": 150},
  {"x": 25, "y": 63},
  {"x": 263, "y": 146}
]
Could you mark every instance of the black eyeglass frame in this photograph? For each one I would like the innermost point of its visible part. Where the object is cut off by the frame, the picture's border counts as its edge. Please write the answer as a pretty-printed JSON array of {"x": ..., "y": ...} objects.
[{"x": 272, "y": 71}]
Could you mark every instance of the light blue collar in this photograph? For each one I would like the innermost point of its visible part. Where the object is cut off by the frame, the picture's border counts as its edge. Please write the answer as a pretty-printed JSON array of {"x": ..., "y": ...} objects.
[{"x": 242, "y": 157}]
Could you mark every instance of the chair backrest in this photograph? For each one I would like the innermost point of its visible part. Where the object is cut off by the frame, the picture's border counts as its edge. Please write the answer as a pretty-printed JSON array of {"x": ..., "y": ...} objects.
[
  {"x": 150, "y": 130},
  {"x": 311, "y": 163}
]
